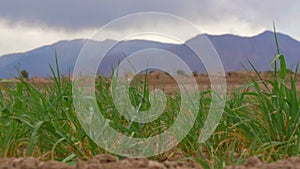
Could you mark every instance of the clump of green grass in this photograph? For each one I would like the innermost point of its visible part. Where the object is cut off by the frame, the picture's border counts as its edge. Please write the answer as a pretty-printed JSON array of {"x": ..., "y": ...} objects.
[
  {"x": 41, "y": 122},
  {"x": 260, "y": 119}
]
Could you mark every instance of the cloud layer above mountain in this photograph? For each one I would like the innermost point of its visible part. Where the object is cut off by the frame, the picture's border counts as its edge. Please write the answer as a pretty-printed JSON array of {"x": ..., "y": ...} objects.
[
  {"x": 78, "y": 18},
  {"x": 78, "y": 14}
]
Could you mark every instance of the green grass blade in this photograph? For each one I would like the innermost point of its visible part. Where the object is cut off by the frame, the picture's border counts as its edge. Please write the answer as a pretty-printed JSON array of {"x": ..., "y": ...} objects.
[{"x": 34, "y": 138}]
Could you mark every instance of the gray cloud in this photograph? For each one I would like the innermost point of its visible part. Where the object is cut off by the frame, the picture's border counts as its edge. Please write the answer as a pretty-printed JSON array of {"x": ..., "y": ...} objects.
[
  {"x": 27, "y": 24},
  {"x": 79, "y": 14}
]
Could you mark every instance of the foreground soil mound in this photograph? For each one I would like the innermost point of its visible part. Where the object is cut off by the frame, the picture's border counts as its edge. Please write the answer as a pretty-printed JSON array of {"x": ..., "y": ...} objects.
[
  {"x": 254, "y": 163},
  {"x": 99, "y": 162},
  {"x": 110, "y": 162}
]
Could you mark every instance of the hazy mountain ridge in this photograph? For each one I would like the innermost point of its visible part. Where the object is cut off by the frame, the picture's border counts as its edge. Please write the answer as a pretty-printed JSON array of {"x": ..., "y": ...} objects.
[
  {"x": 260, "y": 50},
  {"x": 233, "y": 51}
]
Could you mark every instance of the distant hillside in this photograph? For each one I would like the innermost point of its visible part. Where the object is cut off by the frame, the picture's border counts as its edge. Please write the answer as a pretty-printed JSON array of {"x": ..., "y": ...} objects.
[
  {"x": 233, "y": 51},
  {"x": 260, "y": 50}
]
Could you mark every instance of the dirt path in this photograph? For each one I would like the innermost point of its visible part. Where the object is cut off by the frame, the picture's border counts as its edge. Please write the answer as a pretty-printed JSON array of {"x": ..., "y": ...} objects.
[{"x": 110, "y": 162}]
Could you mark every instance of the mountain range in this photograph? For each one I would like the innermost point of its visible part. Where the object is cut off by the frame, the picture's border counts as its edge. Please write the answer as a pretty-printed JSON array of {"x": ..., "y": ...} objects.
[{"x": 234, "y": 51}]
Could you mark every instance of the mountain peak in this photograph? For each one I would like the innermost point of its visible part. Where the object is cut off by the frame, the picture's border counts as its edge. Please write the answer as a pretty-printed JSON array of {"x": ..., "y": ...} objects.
[{"x": 265, "y": 33}]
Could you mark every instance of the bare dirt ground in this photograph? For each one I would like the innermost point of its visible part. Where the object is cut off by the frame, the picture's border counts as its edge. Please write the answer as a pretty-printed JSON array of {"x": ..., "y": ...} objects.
[
  {"x": 111, "y": 162},
  {"x": 168, "y": 84},
  {"x": 254, "y": 163},
  {"x": 99, "y": 162},
  {"x": 234, "y": 80}
]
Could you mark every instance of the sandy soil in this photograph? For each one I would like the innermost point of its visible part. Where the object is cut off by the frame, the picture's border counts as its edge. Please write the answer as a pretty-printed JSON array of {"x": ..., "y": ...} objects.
[{"x": 110, "y": 162}]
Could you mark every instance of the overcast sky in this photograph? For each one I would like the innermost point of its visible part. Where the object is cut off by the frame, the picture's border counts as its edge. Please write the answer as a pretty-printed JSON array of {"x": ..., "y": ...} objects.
[{"x": 27, "y": 24}]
